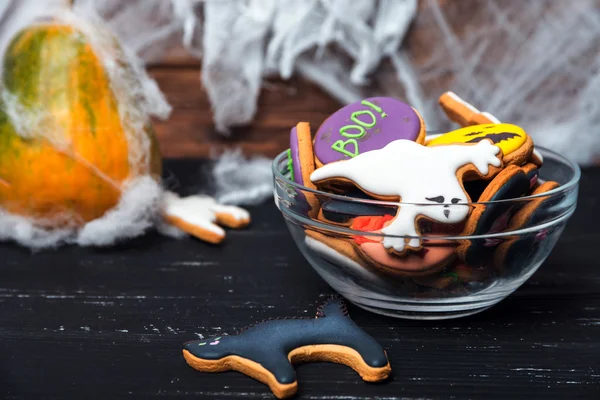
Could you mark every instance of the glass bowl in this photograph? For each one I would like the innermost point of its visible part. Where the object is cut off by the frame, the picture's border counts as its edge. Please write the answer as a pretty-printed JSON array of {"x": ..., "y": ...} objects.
[{"x": 451, "y": 274}]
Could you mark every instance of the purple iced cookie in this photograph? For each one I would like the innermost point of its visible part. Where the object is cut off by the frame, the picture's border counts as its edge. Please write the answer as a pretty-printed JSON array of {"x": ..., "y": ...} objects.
[{"x": 364, "y": 126}]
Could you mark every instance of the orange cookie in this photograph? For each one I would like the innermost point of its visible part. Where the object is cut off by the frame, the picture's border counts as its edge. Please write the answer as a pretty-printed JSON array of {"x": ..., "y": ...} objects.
[
  {"x": 301, "y": 163},
  {"x": 527, "y": 216},
  {"x": 466, "y": 114},
  {"x": 515, "y": 143},
  {"x": 267, "y": 351},
  {"x": 463, "y": 113},
  {"x": 199, "y": 216},
  {"x": 511, "y": 183},
  {"x": 342, "y": 253},
  {"x": 433, "y": 256},
  {"x": 428, "y": 179}
]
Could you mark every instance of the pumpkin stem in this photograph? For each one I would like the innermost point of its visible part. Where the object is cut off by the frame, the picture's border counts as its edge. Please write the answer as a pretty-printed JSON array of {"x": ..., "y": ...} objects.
[{"x": 70, "y": 3}]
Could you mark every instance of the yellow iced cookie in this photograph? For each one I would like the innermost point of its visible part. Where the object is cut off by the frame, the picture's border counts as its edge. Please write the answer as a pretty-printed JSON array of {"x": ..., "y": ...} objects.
[{"x": 515, "y": 144}]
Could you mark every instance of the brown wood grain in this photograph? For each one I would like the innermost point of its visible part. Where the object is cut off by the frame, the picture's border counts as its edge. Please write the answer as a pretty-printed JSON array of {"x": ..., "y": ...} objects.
[{"x": 190, "y": 131}]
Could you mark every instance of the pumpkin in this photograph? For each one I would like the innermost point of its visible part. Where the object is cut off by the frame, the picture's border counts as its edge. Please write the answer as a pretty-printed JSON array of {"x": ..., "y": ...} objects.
[{"x": 65, "y": 151}]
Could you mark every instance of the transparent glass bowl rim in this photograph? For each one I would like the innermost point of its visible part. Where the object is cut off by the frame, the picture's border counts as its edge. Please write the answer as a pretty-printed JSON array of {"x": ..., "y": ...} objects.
[
  {"x": 340, "y": 229},
  {"x": 573, "y": 182}
]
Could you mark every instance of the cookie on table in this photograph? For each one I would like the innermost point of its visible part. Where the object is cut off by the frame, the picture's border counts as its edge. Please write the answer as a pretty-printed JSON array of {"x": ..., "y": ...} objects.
[
  {"x": 200, "y": 216},
  {"x": 422, "y": 176},
  {"x": 515, "y": 143},
  {"x": 268, "y": 350},
  {"x": 364, "y": 126},
  {"x": 518, "y": 250},
  {"x": 511, "y": 183}
]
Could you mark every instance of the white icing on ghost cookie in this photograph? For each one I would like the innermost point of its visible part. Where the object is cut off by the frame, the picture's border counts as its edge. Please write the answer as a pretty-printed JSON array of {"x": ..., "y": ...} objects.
[{"x": 415, "y": 174}]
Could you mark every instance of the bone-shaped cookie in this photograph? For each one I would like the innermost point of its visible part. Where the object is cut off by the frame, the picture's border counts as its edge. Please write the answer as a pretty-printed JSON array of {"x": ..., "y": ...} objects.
[
  {"x": 268, "y": 350},
  {"x": 200, "y": 216}
]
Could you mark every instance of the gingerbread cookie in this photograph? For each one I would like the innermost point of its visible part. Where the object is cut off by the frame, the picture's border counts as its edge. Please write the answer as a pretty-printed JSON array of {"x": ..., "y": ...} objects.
[
  {"x": 301, "y": 153},
  {"x": 520, "y": 249},
  {"x": 463, "y": 113},
  {"x": 342, "y": 254},
  {"x": 466, "y": 114},
  {"x": 515, "y": 144},
  {"x": 511, "y": 183},
  {"x": 421, "y": 176},
  {"x": 266, "y": 351},
  {"x": 200, "y": 216},
  {"x": 301, "y": 163},
  {"x": 342, "y": 212},
  {"x": 433, "y": 256},
  {"x": 364, "y": 126}
]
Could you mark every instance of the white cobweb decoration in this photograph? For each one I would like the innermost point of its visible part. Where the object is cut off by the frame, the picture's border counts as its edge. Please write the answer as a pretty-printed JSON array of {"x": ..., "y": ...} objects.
[{"x": 531, "y": 63}]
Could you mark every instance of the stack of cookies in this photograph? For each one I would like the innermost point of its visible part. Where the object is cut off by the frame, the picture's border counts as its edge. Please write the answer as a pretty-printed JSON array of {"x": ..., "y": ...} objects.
[{"x": 420, "y": 201}]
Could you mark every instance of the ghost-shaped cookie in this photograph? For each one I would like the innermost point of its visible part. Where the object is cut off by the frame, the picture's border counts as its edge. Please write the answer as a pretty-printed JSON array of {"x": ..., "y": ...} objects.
[{"x": 427, "y": 180}]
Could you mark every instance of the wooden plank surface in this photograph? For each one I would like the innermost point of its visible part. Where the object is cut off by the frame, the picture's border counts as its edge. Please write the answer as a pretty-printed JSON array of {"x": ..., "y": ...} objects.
[
  {"x": 190, "y": 132},
  {"x": 110, "y": 324}
]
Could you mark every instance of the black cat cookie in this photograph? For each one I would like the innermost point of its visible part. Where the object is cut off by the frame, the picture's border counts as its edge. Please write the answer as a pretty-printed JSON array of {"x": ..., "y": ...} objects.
[{"x": 268, "y": 350}]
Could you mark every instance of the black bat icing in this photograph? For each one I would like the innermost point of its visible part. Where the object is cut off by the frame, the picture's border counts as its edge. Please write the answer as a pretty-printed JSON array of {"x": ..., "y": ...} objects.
[
  {"x": 269, "y": 342},
  {"x": 494, "y": 137}
]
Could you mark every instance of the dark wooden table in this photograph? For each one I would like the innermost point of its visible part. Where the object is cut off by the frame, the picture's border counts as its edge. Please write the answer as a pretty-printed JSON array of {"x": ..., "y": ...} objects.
[{"x": 83, "y": 323}]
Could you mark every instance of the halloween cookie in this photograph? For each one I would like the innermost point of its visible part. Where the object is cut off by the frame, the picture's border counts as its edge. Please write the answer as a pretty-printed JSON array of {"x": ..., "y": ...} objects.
[
  {"x": 364, "y": 126},
  {"x": 301, "y": 154},
  {"x": 342, "y": 254},
  {"x": 200, "y": 216},
  {"x": 463, "y": 113},
  {"x": 420, "y": 176},
  {"x": 520, "y": 249},
  {"x": 433, "y": 256},
  {"x": 511, "y": 183},
  {"x": 268, "y": 350},
  {"x": 343, "y": 211},
  {"x": 301, "y": 163},
  {"x": 515, "y": 144}
]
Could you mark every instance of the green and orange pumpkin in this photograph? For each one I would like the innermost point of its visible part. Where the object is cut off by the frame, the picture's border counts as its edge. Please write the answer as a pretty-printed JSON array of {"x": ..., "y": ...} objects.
[{"x": 64, "y": 149}]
